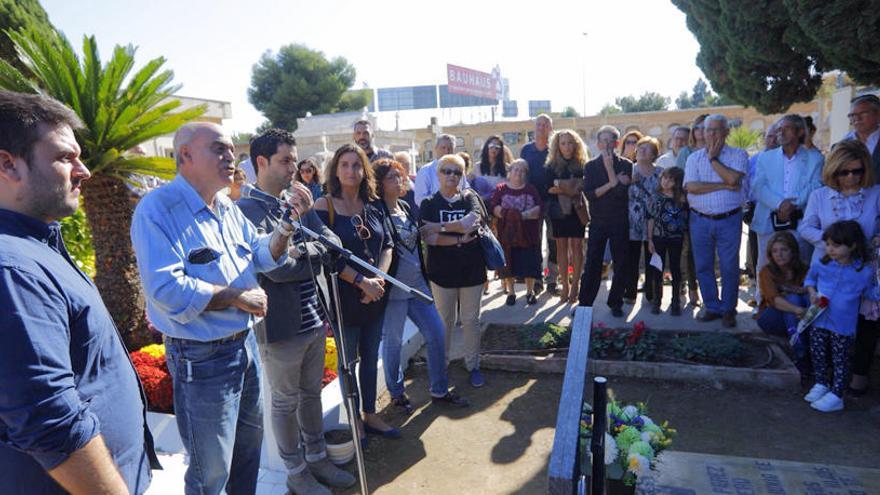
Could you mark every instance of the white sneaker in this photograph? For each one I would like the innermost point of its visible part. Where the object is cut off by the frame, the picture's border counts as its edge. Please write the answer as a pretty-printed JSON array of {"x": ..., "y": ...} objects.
[
  {"x": 829, "y": 402},
  {"x": 817, "y": 392}
]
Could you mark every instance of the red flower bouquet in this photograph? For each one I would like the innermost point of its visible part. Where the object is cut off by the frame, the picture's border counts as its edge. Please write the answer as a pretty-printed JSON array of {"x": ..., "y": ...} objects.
[
  {"x": 810, "y": 316},
  {"x": 153, "y": 372}
]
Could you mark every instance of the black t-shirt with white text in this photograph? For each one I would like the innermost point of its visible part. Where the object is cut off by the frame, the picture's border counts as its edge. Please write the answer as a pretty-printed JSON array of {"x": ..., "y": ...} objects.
[{"x": 453, "y": 266}]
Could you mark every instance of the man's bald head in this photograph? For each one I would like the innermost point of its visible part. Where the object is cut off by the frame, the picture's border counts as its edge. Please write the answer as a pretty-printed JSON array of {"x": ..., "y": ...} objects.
[{"x": 187, "y": 133}]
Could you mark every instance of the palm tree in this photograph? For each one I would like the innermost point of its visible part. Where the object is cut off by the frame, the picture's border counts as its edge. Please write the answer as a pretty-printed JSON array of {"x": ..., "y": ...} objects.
[{"x": 119, "y": 110}]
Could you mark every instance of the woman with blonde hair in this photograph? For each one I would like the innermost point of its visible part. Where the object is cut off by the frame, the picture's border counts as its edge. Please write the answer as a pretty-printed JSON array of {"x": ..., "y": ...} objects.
[
  {"x": 849, "y": 194},
  {"x": 455, "y": 266},
  {"x": 565, "y": 175}
]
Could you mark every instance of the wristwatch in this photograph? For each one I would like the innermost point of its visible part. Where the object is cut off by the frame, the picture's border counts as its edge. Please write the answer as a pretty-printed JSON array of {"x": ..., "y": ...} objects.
[{"x": 358, "y": 279}]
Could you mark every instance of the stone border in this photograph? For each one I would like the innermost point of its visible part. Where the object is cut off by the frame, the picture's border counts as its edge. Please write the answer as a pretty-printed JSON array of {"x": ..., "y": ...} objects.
[{"x": 785, "y": 377}]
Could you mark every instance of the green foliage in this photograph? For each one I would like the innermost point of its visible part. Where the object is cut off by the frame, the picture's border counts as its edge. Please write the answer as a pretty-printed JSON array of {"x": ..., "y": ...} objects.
[
  {"x": 545, "y": 336},
  {"x": 745, "y": 138},
  {"x": 20, "y": 14},
  {"x": 78, "y": 240},
  {"x": 296, "y": 80},
  {"x": 771, "y": 55},
  {"x": 609, "y": 109},
  {"x": 635, "y": 344},
  {"x": 570, "y": 112},
  {"x": 647, "y": 102},
  {"x": 701, "y": 97},
  {"x": 712, "y": 348},
  {"x": 119, "y": 109}
]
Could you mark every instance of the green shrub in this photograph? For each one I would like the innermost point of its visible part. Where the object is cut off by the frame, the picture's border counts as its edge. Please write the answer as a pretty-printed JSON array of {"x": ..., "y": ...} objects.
[
  {"x": 78, "y": 240},
  {"x": 710, "y": 348}
]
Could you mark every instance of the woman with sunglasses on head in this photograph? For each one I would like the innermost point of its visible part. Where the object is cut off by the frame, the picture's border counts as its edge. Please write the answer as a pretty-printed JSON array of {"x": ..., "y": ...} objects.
[
  {"x": 309, "y": 174},
  {"x": 408, "y": 267},
  {"x": 455, "y": 265},
  {"x": 629, "y": 144},
  {"x": 849, "y": 194},
  {"x": 351, "y": 210}
]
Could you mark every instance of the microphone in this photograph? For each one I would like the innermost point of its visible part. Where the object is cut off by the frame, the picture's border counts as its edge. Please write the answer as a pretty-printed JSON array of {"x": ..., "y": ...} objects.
[{"x": 249, "y": 191}]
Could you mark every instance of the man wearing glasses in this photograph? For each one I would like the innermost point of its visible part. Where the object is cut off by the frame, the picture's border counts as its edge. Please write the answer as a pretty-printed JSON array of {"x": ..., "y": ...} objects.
[
  {"x": 713, "y": 181},
  {"x": 864, "y": 116}
]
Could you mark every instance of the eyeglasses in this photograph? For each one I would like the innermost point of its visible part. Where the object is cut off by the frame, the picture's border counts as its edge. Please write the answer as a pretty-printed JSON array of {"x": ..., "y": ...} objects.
[
  {"x": 450, "y": 171},
  {"x": 362, "y": 231},
  {"x": 850, "y": 171},
  {"x": 859, "y": 115},
  {"x": 630, "y": 143}
]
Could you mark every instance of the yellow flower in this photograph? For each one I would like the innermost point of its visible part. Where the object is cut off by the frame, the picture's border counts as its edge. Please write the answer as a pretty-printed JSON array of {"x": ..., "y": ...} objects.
[
  {"x": 330, "y": 355},
  {"x": 155, "y": 350}
]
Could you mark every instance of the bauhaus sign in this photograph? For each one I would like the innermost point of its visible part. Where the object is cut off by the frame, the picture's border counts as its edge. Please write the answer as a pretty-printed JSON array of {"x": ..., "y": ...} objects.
[{"x": 463, "y": 81}]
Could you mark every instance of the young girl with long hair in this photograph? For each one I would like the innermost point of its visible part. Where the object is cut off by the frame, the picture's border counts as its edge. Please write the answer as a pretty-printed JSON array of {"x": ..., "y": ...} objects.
[
  {"x": 667, "y": 226},
  {"x": 842, "y": 275}
]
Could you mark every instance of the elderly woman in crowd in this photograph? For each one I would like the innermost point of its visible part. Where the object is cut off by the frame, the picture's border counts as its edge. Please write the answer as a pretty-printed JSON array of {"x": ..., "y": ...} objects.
[
  {"x": 455, "y": 266},
  {"x": 309, "y": 174},
  {"x": 849, "y": 194},
  {"x": 407, "y": 266},
  {"x": 645, "y": 179},
  {"x": 565, "y": 173},
  {"x": 351, "y": 210},
  {"x": 629, "y": 143},
  {"x": 517, "y": 206}
]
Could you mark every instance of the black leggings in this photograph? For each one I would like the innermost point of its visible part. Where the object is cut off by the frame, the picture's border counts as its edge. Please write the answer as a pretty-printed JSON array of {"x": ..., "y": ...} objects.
[
  {"x": 867, "y": 333},
  {"x": 823, "y": 342},
  {"x": 672, "y": 248}
]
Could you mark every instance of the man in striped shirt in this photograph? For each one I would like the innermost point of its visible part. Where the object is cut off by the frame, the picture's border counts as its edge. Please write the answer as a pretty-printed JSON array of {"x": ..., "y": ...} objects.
[{"x": 291, "y": 338}]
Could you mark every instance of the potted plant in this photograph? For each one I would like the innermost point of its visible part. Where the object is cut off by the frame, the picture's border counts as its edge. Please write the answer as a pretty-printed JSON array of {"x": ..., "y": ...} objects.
[
  {"x": 633, "y": 442},
  {"x": 340, "y": 447}
]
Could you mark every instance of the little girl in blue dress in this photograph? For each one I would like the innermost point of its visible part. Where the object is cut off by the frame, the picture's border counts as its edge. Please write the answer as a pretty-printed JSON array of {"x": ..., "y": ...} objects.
[{"x": 844, "y": 277}]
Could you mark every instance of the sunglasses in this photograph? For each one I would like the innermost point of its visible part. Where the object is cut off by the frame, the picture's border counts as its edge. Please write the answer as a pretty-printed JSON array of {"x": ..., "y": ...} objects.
[
  {"x": 450, "y": 171},
  {"x": 362, "y": 231},
  {"x": 494, "y": 146},
  {"x": 852, "y": 171}
]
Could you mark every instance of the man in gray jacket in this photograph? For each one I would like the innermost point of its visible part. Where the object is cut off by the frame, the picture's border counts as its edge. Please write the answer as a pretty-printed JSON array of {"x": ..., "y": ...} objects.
[{"x": 291, "y": 338}]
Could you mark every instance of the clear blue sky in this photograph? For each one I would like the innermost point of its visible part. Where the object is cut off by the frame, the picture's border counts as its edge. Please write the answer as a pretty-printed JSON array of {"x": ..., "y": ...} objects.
[{"x": 631, "y": 46}]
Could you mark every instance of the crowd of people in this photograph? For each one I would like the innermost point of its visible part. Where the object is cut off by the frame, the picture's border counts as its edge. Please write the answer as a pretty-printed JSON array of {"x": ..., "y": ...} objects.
[{"x": 236, "y": 288}]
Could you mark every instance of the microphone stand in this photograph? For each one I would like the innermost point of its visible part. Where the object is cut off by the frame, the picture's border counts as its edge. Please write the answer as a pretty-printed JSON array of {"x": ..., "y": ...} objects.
[{"x": 346, "y": 374}]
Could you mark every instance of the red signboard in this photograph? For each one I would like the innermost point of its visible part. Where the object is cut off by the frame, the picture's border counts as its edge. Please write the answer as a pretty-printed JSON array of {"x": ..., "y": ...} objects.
[{"x": 471, "y": 82}]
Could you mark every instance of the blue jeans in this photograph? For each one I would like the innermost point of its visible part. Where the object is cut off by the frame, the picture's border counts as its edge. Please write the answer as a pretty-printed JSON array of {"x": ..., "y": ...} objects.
[
  {"x": 723, "y": 235},
  {"x": 363, "y": 342},
  {"x": 428, "y": 321},
  {"x": 219, "y": 413},
  {"x": 776, "y": 322}
]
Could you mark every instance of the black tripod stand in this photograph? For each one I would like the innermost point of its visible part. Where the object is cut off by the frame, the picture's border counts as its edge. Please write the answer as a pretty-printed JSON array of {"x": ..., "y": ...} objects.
[{"x": 346, "y": 375}]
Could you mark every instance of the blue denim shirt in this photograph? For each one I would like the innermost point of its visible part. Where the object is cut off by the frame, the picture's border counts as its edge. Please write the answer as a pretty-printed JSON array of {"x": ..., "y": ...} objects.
[
  {"x": 65, "y": 376},
  {"x": 844, "y": 286},
  {"x": 184, "y": 249}
]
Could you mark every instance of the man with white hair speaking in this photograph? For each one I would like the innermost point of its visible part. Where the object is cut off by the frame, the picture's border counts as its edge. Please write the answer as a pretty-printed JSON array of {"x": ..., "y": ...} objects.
[{"x": 712, "y": 179}]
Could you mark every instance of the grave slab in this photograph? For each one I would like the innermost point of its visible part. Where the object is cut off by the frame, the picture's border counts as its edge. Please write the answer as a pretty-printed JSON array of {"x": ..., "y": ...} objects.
[{"x": 686, "y": 473}]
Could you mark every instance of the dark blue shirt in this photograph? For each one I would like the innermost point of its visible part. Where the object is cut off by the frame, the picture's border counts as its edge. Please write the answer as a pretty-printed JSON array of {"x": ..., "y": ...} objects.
[
  {"x": 65, "y": 376},
  {"x": 536, "y": 160}
]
